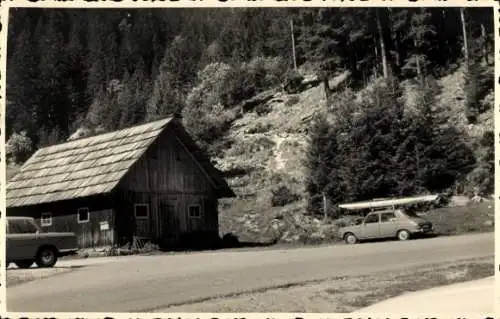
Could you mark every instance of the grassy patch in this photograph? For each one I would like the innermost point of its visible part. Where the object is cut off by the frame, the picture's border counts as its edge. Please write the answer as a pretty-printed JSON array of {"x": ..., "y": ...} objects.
[
  {"x": 18, "y": 276},
  {"x": 368, "y": 290},
  {"x": 463, "y": 219}
]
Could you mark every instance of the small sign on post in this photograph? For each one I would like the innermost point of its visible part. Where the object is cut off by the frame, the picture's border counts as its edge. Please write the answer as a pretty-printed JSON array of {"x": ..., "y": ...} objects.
[{"x": 104, "y": 225}]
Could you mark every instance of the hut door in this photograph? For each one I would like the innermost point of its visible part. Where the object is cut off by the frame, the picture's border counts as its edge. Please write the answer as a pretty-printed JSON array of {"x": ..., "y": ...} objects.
[
  {"x": 141, "y": 212},
  {"x": 169, "y": 220}
]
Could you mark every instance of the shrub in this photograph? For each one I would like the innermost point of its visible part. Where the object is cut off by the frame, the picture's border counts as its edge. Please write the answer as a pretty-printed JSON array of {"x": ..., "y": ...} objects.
[
  {"x": 292, "y": 100},
  {"x": 241, "y": 87},
  {"x": 251, "y": 146},
  {"x": 205, "y": 115},
  {"x": 230, "y": 240},
  {"x": 18, "y": 148},
  {"x": 283, "y": 196},
  {"x": 256, "y": 76},
  {"x": 221, "y": 145},
  {"x": 266, "y": 71},
  {"x": 276, "y": 178},
  {"x": 347, "y": 220},
  {"x": 263, "y": 143},
  {"x": 206, "y": 127},
  {"x": 259, "y": 128},
  {"x": 293, "y": 82},
  {"x": 262, "y": 109}
]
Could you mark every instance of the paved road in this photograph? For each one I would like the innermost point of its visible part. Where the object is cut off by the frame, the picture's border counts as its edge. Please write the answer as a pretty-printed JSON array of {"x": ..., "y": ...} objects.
[{"x": 149, "y": 283}]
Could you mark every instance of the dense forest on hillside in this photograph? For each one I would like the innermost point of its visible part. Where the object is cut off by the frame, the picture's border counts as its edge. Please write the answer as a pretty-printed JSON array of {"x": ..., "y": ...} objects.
[{"x": 101, "y": 70}]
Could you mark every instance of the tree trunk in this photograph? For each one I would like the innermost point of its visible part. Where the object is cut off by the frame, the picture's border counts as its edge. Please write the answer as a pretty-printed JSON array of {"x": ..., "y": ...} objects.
[
  {"x": 375, "y": 65},
  {"x": 485, "y": 43},
  {"x": 293, "y": 46},
  {"x": 325, "y": 207},
  {"x": 464, "y": 34},
  {"x": 417, "y": 62},
  {"x": 394, "y": 37},
  {"x": 327, "y": 88},
  {"x": 382, "y": 45}
]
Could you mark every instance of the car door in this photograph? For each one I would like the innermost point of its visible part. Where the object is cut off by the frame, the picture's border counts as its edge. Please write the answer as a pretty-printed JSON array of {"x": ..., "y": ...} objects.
[
  {"x": 14, "y": 245},
  {"x": 371, "y": 226},
  {"x": 388, "y": 224},
  {"x": 21, "y": 240}
]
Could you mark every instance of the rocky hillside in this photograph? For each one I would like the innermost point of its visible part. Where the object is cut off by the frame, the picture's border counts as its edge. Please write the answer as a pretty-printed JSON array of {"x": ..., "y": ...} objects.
[{"x": 266, "y": 161}]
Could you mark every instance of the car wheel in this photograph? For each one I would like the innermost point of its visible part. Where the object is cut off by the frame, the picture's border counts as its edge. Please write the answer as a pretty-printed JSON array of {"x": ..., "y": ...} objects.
[
  {"x": 403, "y": 234},
  {"x": 350, "y": 238},
  {"x": 46, "y": 257},
  {"x": 24, "y": 264}
]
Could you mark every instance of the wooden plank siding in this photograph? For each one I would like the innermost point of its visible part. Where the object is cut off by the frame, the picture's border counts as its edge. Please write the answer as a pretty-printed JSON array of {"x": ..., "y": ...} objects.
[
  {"x": 167, "y": 167},
  {"x": 169, "y": 180},
  {"x": 64, "y": 216}
]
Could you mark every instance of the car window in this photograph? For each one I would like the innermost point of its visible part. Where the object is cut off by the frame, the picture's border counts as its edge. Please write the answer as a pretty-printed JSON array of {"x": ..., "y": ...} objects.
[
  {"x": 387, "y": 217},
  {"x": 22, "y": 226},
  {"x": 30, "y": 226},
  {"x": 371, "y": 219},
  {"x": 14, "y": 227}
]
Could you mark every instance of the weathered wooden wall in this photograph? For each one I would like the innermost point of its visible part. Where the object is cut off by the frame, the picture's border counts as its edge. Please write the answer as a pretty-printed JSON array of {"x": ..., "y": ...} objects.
[
  {"x": 169, "y": 180},
  {"x": 65, "y": 219},
  {"x": 168, "y": 167}
]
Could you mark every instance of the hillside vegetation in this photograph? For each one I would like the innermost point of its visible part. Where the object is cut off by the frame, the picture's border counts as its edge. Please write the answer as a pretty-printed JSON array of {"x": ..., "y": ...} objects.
[
  {"x": 399, "y": 104},
  {"x": 267, "y": 160}
]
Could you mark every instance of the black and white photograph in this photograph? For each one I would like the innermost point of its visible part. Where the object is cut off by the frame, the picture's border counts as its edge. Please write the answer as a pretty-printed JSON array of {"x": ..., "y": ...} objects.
[{"x": 276, "y": 159}]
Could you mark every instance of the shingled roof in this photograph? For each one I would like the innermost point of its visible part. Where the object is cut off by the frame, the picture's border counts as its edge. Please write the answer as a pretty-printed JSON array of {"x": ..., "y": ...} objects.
[{"x": 91, "y": 166}]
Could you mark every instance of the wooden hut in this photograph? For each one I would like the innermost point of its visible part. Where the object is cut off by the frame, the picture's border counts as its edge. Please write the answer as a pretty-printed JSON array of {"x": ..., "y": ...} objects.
[{"x": 149, "y": 181}]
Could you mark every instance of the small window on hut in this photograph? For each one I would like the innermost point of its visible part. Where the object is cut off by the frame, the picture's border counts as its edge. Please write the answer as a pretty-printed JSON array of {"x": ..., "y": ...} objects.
[
  {"x": 83, "y": 215},
  {"x": 46, "y": 220},
  {"x": 194, "y": 211},
  {"x": 141, "y": 211}
]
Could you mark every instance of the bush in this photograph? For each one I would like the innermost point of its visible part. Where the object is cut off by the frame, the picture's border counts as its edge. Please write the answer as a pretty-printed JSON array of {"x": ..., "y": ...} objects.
[
  {"x": 293, "y": 82},
  {"x": 221, "y": 145},
  {"x": 251, "y": 146},
  {"x": 230, "y": 240},
  {"x": 262, "y": 109},
  {"x": 18, "y": 148},
  {"x": 292, "y": 100},
  {"x": 256, "y": 76},
  {"x": 266, "y": 71},
  {"x": 283, "y": 196},
  {"x": 207, "y": 128},
  {"x": 276, "y": 178},
  {"x": 348, "y": 220},
  {"x": 259, "y": 128},
  {"x": 481, "y": 180}
]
